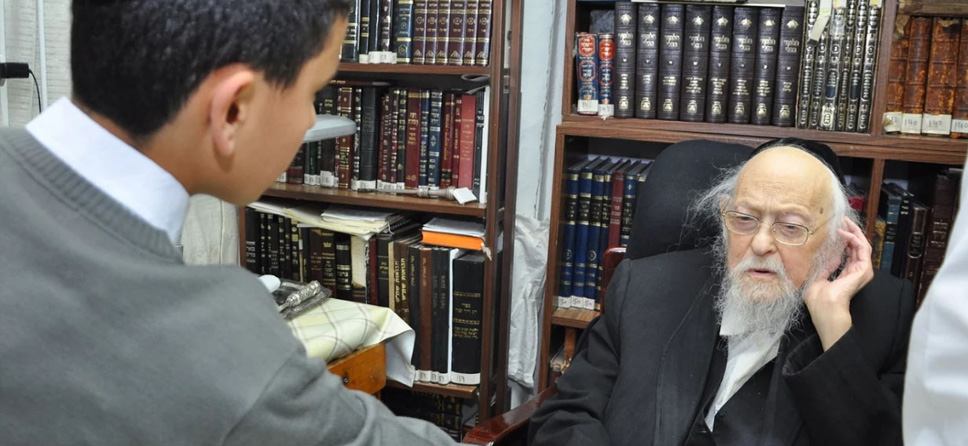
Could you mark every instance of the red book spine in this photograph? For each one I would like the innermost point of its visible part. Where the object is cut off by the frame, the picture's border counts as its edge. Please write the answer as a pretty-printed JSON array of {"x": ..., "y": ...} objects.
[
  {"x": 455, "y": 158},
  {"x": 615, "y": 218},
  {"x": 447, "y": 141},
  {"x": 468, "y": 131},
  {"x": 412, "y": 165}
]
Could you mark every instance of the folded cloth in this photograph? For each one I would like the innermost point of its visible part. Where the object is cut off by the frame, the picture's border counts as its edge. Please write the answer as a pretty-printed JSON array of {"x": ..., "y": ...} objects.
[{"x": 339, "y": 327}]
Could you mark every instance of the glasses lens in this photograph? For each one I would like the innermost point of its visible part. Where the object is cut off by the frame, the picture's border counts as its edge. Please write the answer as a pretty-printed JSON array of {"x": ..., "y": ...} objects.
[
  {"x": 741, "y": 223},
  {"x": 789, "y": 233}
]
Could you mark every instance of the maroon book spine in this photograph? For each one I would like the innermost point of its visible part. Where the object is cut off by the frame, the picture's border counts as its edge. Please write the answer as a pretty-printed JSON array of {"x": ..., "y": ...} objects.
[
  {"x": 483, "y": 35},
  {"x": 412, "y": 164}
]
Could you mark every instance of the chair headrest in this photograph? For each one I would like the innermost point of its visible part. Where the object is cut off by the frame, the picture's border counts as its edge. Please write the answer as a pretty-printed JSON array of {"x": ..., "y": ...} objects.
[{"x": 680, "y": 173}]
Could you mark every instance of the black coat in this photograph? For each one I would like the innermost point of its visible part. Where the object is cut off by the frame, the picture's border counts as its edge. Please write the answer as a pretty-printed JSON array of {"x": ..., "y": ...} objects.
[{"x": 641, "y": 377}]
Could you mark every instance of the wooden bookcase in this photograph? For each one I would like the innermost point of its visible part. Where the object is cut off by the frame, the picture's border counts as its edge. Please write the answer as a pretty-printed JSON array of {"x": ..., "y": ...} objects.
[
  {"x": 869, "y": 155},
  {"x": 501, "y": 75}
]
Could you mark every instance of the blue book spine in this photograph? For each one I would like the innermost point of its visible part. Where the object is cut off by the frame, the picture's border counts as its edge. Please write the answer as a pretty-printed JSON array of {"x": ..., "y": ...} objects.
[
  {"x": 424, "y": 135},
  {"x": 890, "y": 230},
  {"x": 581, "y": 232},
  {"x": 594, "y": 232},
  {"x": 433, "y": 151},
  {"x": 404, "y": 34},
  {"x": 630, "y": 188},
  {"x": 568, "y": 233},
  {"x": 605, "y": 213}
]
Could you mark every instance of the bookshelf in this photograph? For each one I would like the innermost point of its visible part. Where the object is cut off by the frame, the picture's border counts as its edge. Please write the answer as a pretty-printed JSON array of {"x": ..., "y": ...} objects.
[
  {"x": 497, "y": 214},
  {"x": 872, "y": 155}
]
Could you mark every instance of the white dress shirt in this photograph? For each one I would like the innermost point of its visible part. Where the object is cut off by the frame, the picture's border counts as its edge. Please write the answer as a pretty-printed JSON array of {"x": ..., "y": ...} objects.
[
  {"x": 110, "y": 164},
  {"x": 746, "y": 354},
  {"x": 935, "y": 408}
]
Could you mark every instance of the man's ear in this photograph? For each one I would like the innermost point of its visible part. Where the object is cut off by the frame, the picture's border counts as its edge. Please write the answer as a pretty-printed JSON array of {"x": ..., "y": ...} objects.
[{"x": 229, "y": 109}]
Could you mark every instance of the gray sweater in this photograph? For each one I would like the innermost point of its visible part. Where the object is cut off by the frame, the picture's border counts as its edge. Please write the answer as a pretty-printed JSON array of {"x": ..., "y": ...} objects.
[{"x": 107, "y": 338}]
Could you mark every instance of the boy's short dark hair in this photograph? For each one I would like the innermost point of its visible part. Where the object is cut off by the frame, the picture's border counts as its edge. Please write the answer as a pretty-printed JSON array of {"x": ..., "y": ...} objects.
[{"x": 136, "y": 62}]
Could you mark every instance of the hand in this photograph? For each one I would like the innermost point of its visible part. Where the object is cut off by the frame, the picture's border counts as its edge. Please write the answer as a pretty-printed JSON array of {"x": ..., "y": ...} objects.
[{"x": 829, "y": 301}]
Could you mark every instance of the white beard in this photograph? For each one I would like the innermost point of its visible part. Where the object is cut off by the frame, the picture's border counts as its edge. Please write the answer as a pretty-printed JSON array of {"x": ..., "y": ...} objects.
[{"x": 751, "y": 306}]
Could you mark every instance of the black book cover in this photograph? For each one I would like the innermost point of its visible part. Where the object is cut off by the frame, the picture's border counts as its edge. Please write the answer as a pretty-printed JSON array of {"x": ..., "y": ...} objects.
[
  {"x": 413, "y": 284},
  {"x": 764, "y": 73},
  {"x": 364, "y": 12},
  {"x": 695, "y": 63},
  {"x": 870, "y": 60},
  {"x": 788, "y": 66},
  {"x": 806, "y": 67},
  {"x": 386, "y": 27},
  {"x": 819, "y": 81},
  {"x": 835, "y": 46},
  {"x": 720, "y": 53},
  {"x": 344, "y": 267},
  {"x": 252, "y": 240},
  {"x": 375, "y": 19},
  {"x": 741, "y": 66},
  {"x": 624, "y": 82},
  {"x": 350, "y": 49},
  {"x": 295, "y": 251},
  {"x": 434, "y": 146},
  {"x": 327, "y": 147},
  {"x": 369, "y": 135},
  {"x": 904, "y": 221},
  {"x": 846, "y": 61},
  {"x": 314, "y": 244},
  {"x": 272, "y": 240},
  {"x": 329, "y": 259},
  {"x": 478, "y": 141},
  {"x": 857, "y": 66},
  {"x": 916, "y": 244},
  {"x": 468, "y": 314},
  {"x": 263, "y": 244},
  {"x": 670, "y": 60},
  {"x": 357, "y": 138},
  {"x": 440, "y": 316},
  {"x": 647, "y": 60},
  {"x": 305, "y": 255},
  {"x": 285, "y": 247}
]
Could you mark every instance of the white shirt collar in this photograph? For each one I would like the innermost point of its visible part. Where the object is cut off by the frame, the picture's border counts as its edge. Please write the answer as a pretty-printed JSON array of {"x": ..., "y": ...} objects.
[{"x": 119, "y": 170}]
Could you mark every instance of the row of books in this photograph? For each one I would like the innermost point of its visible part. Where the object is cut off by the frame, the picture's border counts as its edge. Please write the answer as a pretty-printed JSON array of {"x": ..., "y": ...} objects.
[
  {"x": 599, "y": 207},
  {"x": 913, "y": 225},
  {"x": 405, "y": 138},
  {"x": 453, "y": 415},
  {"x": 437, "y": 290},
  {"x": 838, "y": 65},
  {"x": 733, "y": 64},
  {"x": 927, "y": 84},
  {"x": 431, "y": 32}
]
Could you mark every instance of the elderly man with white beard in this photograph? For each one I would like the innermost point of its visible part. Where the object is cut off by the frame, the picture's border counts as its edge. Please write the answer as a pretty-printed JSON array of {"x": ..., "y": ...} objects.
[{"x": 781, "y": 334}]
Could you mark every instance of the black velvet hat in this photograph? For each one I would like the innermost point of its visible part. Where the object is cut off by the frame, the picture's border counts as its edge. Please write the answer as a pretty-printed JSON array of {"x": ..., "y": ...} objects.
[{"x": 819, "y": 150}]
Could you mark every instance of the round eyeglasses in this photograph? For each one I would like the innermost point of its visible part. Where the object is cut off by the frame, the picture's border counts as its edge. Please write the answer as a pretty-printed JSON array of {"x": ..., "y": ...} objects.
[{"x": 786, "y": 233}]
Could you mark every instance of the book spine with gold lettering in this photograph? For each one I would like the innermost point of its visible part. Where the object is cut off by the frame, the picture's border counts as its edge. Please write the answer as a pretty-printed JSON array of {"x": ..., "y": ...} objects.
[
  {"x": 670, "y": 60},
  {"x": 741, "y": 66},
  {"x": 623, "y": 61},
  {"x": 872, "y": 43},
  {"x": 695, "y": 63},
  {"x": 788, "y": 66},
  {"x": 647, "y": 60},
  {"x": 764, "y": 72},
  {"x": 919, "y": 51}
]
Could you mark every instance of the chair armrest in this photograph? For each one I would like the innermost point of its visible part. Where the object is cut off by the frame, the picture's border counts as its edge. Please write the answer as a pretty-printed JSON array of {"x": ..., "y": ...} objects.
[{"x": 509, "y": 426}]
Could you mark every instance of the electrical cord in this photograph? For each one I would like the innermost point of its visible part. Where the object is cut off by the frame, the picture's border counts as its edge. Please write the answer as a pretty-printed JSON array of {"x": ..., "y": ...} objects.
[{"x": 40, "y": 105}]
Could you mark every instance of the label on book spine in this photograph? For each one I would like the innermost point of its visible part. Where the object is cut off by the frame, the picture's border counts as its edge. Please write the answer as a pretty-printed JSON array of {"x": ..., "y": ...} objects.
[
  {"x": 911, "y": 123},
  {"x": 959, "y": 125},
  {"x": 936, "y": 124},
  {"x": 892, "y": 121}
]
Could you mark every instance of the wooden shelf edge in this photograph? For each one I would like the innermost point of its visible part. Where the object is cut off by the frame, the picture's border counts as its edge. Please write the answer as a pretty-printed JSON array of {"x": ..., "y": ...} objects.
[
  {"x": 892, "y": 147},
  {"x": 441, "y": 70},
  {"x": 370, "y": 199},
  {"x": 573, "y": 317},
  {"x": 465, "y": 392}
]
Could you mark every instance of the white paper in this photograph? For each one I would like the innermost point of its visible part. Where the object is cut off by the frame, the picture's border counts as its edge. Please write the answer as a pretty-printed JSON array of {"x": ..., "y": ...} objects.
[{"x": 456, "y": 227}]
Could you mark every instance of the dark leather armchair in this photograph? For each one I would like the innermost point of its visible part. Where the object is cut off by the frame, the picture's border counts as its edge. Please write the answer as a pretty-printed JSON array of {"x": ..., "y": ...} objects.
[{"x": 663, "y": 223}]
